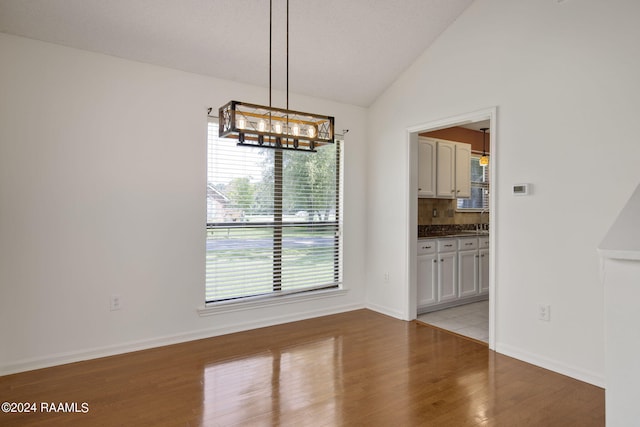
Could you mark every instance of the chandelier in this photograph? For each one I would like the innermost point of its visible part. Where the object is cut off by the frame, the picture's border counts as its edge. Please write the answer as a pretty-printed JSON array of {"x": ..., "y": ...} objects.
[{"x": 271, "y": 127}]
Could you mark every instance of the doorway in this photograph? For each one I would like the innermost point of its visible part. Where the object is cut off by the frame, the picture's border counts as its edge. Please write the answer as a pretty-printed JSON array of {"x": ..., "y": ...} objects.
[{"x": 478, "y": 119}]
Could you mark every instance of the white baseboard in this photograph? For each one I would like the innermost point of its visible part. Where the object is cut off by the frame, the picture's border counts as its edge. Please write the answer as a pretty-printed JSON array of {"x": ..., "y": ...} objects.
[
  {"x": 385, "y": 310},
  {"x": 552, "y": 365},
  {"x": 94, "y": 353}
]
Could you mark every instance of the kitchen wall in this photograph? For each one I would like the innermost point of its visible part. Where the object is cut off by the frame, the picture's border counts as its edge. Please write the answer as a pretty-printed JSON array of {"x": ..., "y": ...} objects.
[
  {"x": 460, "y": 134},
  {"x": 564, "y": 79},
  {"x": 103, "y": 191}
]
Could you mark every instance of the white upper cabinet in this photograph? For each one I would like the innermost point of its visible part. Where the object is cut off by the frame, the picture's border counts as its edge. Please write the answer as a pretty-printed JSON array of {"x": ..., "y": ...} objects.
[
  {"x": 444, "y": 169},
  {"x": 426, "y": 167},
  {"x": 463, "y": 171}
]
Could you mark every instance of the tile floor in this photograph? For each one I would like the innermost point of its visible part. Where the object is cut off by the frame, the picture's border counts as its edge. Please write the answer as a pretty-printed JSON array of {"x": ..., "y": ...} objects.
[{"x": 470, "y": 320}]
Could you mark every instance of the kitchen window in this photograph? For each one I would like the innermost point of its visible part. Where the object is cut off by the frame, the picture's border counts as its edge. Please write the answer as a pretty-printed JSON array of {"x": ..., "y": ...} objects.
[
  {"x": 479, "y": 199},
  {"x": 273, "y": 220}
]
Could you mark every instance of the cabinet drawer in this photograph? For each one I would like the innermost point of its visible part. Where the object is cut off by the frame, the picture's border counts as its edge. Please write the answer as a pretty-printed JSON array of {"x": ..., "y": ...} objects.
[
  {"x": 447, "y": 245},
  {"x": 483, "y": 242},
  {"x": 468, "y": 243},
  {"x": 426, "y": 247}
]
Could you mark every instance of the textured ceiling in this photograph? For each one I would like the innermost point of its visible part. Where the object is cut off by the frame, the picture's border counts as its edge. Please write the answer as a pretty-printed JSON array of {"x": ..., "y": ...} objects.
[{"x": 344, "y": 50}]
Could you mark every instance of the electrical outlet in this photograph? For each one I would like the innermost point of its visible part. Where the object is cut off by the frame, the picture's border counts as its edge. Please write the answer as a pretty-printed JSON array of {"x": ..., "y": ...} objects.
[
  {"x": 386, "y": 277},
  {"x": 116, "y": 303},
  {"x": 544, "y": 312}
]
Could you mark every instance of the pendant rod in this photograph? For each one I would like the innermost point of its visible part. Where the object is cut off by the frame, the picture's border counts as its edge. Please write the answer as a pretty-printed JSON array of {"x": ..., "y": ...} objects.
[
  {"x": 270, "y": 55},
  {"x": 270, "y": 45},
  {"x": 484, "y": 131},
  {"x": 287, "y": 107},
  {"x": 287, "y": 54}
]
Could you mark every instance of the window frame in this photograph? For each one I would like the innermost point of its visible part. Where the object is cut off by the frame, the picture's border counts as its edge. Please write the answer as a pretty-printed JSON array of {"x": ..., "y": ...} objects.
[
  {"x": 278, "y": 295},
  {"x": 478, "y": 184}
]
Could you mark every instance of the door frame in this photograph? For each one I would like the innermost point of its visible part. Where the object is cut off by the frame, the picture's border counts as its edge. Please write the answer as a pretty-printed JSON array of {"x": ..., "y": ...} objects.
[{"x": 412, "y": 220}]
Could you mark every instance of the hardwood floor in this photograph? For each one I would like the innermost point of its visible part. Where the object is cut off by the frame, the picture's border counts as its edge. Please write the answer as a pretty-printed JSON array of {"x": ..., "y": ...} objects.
[{"x": 353, "y": 369}]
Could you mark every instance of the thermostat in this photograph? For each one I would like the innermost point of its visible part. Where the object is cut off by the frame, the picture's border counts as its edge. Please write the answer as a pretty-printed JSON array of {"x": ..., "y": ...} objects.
[{"x": 521, "y": 189}]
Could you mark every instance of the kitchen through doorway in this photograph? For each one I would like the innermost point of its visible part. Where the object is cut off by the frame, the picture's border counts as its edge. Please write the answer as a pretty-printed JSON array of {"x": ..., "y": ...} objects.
[{"x": 452, "y": 225}]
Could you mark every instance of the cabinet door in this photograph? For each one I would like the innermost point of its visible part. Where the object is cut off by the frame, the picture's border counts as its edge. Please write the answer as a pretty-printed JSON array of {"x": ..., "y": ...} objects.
[
  {"x": 426, "y": 167},
  {"x": 427, "y": 273},
  {"x": 446, "y": 178},
  {"x": 447, "y": 289},
  {"x": 483, "y": 271},
  {"x": 467, "y": 273},
  {"x": 463, "y": 171}
]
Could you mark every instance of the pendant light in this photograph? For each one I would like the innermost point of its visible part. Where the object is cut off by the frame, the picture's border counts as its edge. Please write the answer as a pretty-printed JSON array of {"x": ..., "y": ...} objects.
[
  {"x": 484, "y": 160},
  {"x": 270, "y": 127}
]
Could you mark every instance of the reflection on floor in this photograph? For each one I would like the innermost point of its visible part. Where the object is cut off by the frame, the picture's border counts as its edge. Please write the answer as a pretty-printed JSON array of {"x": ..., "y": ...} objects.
[{"x": 470, "y": 320}]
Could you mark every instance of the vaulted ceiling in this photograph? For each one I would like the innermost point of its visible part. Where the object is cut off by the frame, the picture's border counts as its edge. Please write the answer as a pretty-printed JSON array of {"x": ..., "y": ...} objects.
[{"x": 344, "y": 50}]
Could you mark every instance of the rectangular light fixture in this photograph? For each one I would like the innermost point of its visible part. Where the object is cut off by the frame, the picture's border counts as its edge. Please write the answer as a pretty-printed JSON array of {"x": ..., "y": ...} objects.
[{"x": 271, "y": 127}]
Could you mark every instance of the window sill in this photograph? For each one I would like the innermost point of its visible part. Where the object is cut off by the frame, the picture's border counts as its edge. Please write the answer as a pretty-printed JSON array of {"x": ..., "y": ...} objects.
[
  {"x": 213, "y": 308},
  {"x": 472, "y": 210}
]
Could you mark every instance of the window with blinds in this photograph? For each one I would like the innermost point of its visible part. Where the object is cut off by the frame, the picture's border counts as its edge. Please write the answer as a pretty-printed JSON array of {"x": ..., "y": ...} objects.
[
  {"x": 479, "y": 199},
  {"x": 273, "y": 219}
]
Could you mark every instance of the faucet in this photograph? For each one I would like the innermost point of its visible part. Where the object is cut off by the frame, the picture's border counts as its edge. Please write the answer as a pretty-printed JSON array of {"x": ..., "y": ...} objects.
[{"x": 480, "y": 225}]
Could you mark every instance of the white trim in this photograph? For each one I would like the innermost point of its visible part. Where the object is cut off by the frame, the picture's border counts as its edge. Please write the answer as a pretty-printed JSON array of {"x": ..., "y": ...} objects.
[
  {"x": 253, "y": 303},
  {"x": 412, "y": 216},
  {"x": 619, "y": 254},
  {"x": 412, "y": 221},
  {"x": 144, "y": 344},
  {"x": 384, "y": 310},
  {"x": 552, "y": 365},
  {"x": 484, "y": 114}
]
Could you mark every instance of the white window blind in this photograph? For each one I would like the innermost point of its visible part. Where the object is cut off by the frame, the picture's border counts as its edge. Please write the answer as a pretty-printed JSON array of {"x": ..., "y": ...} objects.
[
  {"x": 479, "y": 199},
  {"x": 273, "y": 219}
]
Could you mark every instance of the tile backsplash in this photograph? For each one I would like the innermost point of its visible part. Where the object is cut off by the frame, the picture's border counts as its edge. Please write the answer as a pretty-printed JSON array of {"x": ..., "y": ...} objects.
[{"x": 446, "y": 214}]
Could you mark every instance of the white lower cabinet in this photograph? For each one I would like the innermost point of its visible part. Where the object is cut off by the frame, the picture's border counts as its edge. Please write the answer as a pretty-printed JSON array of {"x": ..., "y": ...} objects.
[
  {"x": 467, "y": 267},
  {"x": 483, "y": 265},
  {"x": 483, "y": 271},
  {"x": 452, "y": 269},
  {"x": 447, "y": 277},
  {"x": 468, "y": 273},
  {"x": 427, "y": 273}
]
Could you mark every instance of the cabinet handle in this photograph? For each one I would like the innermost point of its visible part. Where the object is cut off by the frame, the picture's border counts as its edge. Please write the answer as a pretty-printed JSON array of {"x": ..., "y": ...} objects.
[
  {"x": 435, "y": 260},
  {"x": 441, "y": 260},
  {"x": 468, "y": 244},
  {"x": 482, "y": 255},
  {"x": 447, "y": 246}
]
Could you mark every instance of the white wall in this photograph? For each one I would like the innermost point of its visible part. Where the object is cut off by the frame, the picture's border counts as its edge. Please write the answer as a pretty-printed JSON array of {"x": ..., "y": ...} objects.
[
  {"x": 564, "y": 77},
  {"x": 102, "y": 191}
]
